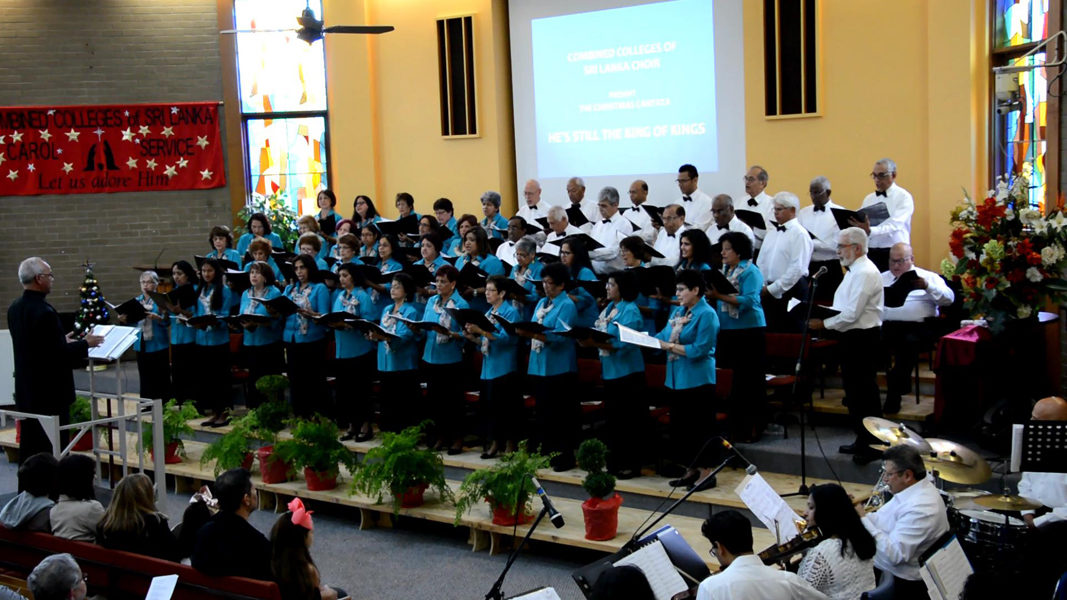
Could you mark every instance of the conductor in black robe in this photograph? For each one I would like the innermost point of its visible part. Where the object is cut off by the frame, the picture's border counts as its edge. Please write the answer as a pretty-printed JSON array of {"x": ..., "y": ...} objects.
[{"x": 44, "y": 356}]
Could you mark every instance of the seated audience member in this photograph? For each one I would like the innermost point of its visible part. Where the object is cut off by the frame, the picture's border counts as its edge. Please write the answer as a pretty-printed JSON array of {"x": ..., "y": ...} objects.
[
  {"x": 30, "y": 509},
  {"x": 228, "y": 544},
  {"x": 77, "y": 513},
  {"x": 908, "y": 524},
  {"x": 744, "y": 576},
  {"x": 202, "y": 506},
  {"x": 291, "y": 562},
  {"x": 819, "y": 220},
  {"x": 841, "y": 565},
  {"x": 57, "y": 577},
  {"x": 902, "y": 326},
  {"x": 132, "y": 523},
  {"x": 622, "y": 583}
]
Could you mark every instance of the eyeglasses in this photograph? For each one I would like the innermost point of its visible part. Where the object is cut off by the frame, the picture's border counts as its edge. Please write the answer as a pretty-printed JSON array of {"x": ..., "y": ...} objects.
[
  {"x": 749, "y": 178},
  {"x": 842, "y": 246},
  {"x": 85, "y": 577},
  {"x": 901, "y": 261},
  {"x": 686, "y": 180},
  {"x": 889, "y": 473},
  {"x": 880, "y": 175},
  {"x": 48, "y": 275}
]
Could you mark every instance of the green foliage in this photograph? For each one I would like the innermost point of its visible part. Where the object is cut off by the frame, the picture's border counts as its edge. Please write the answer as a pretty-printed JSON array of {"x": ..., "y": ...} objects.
[
  {"x": 272, "y": 386},
  {"x": 593, "y": 458},
  {"x": 80, "y": 410},
  {"x": 315, "y": 445},
  {"x": 265, "y": 421},
  {"x": 175, "y": 424},
  {"x": 397, "y": 465},
  {"x": 506, "y": 484},
  {"x": 230, "y": 450},
  {"x": 282, "y": 218}
]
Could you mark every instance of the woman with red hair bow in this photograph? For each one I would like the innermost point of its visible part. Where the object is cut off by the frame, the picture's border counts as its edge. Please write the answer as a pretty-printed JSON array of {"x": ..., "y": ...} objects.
[{"x": 294, "y": 571}]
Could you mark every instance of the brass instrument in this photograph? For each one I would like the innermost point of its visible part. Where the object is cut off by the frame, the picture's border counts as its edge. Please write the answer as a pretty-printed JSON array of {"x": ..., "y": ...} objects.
[
  {"x": 781, "y": 553},
  {"x": 878, "y": 493}
]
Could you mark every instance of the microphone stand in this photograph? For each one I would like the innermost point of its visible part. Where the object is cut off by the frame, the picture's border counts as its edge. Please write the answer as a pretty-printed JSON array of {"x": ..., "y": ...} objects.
[
  {"x": 803, "y": 490},
  {"x": 494, "y": 592}
]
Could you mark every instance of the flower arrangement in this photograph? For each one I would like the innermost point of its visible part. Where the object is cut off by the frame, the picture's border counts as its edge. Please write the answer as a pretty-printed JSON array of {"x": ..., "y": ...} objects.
[{"x": 1008, "y": 258}]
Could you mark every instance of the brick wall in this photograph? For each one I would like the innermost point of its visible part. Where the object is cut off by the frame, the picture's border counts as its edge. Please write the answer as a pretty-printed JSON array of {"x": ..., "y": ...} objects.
[{"x": 106, "y": 52}]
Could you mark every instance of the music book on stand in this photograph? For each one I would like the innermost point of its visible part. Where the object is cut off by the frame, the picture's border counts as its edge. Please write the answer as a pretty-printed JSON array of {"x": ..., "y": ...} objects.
[
  {"x": 117, "y": 339},
  {"x": 946, "y": 571},
  {"x": 1039, "y": 446}
]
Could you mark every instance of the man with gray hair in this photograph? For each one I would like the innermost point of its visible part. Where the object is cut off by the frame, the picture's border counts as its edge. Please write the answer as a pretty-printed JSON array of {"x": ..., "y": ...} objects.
[
  {"x": 559, "y": 226},
  {"x": 819, "y": 220},
  {"x": 723, "y": 219},
  {"x": 758, "y": 201},
  {"x": 609, "y": 230},
  {"x": 784, "y": 263},
  {"x": 44, "y": 357},
  {"x": 899, "y": 203},
  {"x": 576, "y": 194},
  {"x": 57, "y": 577},
  {"x": 858, "y": 327}
]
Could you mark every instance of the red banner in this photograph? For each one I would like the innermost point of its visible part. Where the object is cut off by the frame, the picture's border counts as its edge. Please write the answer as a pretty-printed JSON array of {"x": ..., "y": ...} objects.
[{"x": 122, "y": 148}]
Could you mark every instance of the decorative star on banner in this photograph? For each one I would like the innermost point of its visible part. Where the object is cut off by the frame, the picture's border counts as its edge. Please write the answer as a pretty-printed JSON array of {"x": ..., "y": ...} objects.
[
  {"x": 13, "y": 175},
  {"x": 45, "y": 135},
  {"x": 205, "y": 174},
  {"x": 145, "y": 130},
  {"x": 72, "y": 135},
  {"x": 132, "y": 163},
  {"x": 16, "y": 137},
  {"x": 67, "y": 168},
  {"x": 151, "y": 164},
  {"x": 2, "y": 158},
  {"x": 167, "y": 131},
  {"x": 127, "y": 135},
  {"x": 2, "y": 138},
  {"x": 170, "y": 171},
  {"x": 182, "y": 163},
  {"x": 32, "y": 168},
  {"x": 201, "y": 141}
]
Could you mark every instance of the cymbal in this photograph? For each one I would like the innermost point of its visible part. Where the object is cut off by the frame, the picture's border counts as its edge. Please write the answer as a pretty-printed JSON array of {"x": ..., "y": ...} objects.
[
  {"x": 956, "y": 462},
  {"x": 895, "y": 434},
  {"x": 1007, "y": 502}
]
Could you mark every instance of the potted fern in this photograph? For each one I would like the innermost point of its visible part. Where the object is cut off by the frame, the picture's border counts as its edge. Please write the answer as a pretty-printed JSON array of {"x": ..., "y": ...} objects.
[
  {"x": 316, "y": 447},
  {"x": 397, "y": 467},
  {"x": 601, "y": 510},
  {"x": 265, "y": 422},
  {"x": 506, "y": 486},
  {"x": 234, "y": 448},
  {"x": 80, "y": 412},
  {"x": 175, "y": 424}
]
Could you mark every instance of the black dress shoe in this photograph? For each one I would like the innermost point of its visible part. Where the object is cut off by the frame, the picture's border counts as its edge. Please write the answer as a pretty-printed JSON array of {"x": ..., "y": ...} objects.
[
  {"x": 707, "y": 484},
  {"x": 686, "y": 481},
  {"x": 348, "y": 435},
  {"x": 221, "y": 423},
  {"x": 627, "y": 473},
  {"x": 671, "y": 470},
  {"x": 455, "y": 450},
  {"x": 892, "y": 405},
  {"x": 364, "y": 436},
  {"x": 491, "y": 451}
]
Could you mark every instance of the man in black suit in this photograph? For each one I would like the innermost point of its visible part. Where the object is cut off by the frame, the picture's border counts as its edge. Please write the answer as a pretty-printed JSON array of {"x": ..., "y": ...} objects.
[{"x": 228, "y": 544}]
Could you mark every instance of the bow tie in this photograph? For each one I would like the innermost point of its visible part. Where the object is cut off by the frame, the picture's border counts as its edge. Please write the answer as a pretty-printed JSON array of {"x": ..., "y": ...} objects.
[
  {"x": 820, "y": 208},
  {"x": 723, "y": 227},
  {"x": 780, "y": 227},
  {"x": 606, "y": 221},
  {"x": 752, "y": 202},
  {"x": 687, "y": 198},
  {"x": 881, "y": 194},
  {"x": 670, "y": 235}
]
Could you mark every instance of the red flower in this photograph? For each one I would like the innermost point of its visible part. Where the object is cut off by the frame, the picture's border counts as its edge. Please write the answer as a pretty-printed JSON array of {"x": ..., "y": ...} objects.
[
  {"x": 1034, "y": 258},
  {"x": 955, "y": 241},
  {"x": 991, "y": 283},
  {"x": 989, "y": 212},
  {"x": 1015, "y": 275},
  {"x": 1024, "y": 247}
]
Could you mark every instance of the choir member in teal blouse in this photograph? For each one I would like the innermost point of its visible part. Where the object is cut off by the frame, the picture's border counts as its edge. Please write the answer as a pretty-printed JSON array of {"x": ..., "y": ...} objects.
[
  {"x": 152, "y": 345},
  {"x": 369, "y": 237},
  {"x": 689, "y": 340},
  {"x": 222, "y": 246},
  {"x": 327, "y": 217},
  {"x": 430, "y": 249},
  {"x": 632, "y": 250},
  {"x": 457, "y": 244},
  {"x": 356, "y": 365},
  {"x": 405, "y": 206},
  {"x": 260, "y": 251},
  {"x": 494, "y": 223},
  {"x": 364, "y": 214},
  {"x": 305, "y": 341},
  {"x": 182, "y": 337},
  {"x": 476, "y": 252},
  {"x": 742, "y": 342},
  {"x": 310, "y": 244},
  {"x": 553, "y": 369},
  {"x": 344, "y": 227},
  {"x": 213, "y": 344},
  {"x": 398, "y": 359},
  {"x": 575, "y": 257},
  {"x": 527, "y": 271},
  {"x": 623, "y": 374},
  {"x": 308, "y": 225},
  {"x": 262, "y": 342},
  {"x": 428, "y": 224},
  {"x": 258, "y": 226},
  {"x": 443, "y": 212},
  {"x": 694, "y": 251},
  {"x": 347, "y": 247},
  {"x": 443, "y": 358},
  {"x": 387, "y": 248},
  {"x": 500, "y": 398}
]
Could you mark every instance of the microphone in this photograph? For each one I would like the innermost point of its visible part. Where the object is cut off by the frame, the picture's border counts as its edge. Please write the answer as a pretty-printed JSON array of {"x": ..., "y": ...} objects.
[
  {"x": 751, "y": 468},
  {"x": 553, "y": 515},
  {"x": 822, "y": 271}
]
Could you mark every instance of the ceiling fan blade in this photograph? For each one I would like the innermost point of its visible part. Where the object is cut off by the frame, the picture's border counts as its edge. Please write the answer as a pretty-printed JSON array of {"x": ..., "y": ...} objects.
[
  {"x": 257, "y": 30},
  {"x": 358, "y": 29}
]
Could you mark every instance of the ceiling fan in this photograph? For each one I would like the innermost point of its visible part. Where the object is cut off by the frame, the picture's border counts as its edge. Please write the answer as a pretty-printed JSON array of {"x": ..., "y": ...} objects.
[{"x": 312, "y": 29}]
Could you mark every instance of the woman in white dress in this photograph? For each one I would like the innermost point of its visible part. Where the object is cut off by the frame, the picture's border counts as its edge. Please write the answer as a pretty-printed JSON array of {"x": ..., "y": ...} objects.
[{"x": 842, "y": 565}]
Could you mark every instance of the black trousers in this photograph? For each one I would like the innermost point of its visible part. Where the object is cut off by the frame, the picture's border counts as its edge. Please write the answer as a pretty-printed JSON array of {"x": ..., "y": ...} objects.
[
  {"x": 401, "y": 400},
  {"x": 859, "y": 374},
  {"x": 828, "y": 283},
  {"x": 626, "y": 412},
  {"x": 153, "y": 370},
  {"x": 444, "y": 397},
  {"x": 355, "y": 378},
  {"x": 692, "y": 425},
  {"x": 559, "y": 416},
  {"x": 502, "y": 409},
  {"x": 214, "y": 377},
  {"x": 268, "y": 359},
  {"x": 184, "y": 371},
  {"x": 32, "y": 439},
  {"x": 305, "y": 365},
  {"x": 902, "y": 340},
  {"x": 743, "y": 351},
  {"x": 776, "y": 310}
]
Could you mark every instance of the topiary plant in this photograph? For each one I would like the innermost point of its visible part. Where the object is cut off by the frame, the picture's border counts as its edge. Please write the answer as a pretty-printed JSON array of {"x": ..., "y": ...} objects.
[
  {"x": 315, "y": 445},
  {"x": 506, "y": 484},
  {"x": 593, "y": 458},
  {"x": 397, "y": 465},
  {"x": 175, "y": 424}
]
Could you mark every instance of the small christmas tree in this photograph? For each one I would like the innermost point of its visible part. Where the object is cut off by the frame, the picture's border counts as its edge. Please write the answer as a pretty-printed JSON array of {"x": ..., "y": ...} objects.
[{"x": 93, "y": 309}]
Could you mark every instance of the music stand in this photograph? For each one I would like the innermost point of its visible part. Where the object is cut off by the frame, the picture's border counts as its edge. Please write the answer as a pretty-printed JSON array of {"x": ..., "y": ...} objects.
[
  {"x": 803, "y": 489},
  {"x": 1043, "y": 447}
]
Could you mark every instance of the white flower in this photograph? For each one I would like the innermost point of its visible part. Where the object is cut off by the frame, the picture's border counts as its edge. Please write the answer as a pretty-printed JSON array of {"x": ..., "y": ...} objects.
[
  {"x": 1051, "y": 255},
  {"x": 1009, "y": 214},
  {"x": 1034, "y": 275},
  {"x": 1024, "y": 312},
  {"x": 1040, "y": 226},
  {"x": 1058, "y": 222},
  {"x": 1030, "y": 216}
]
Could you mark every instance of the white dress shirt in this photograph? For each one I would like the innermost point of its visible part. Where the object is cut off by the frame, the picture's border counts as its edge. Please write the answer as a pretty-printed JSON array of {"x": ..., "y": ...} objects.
[
  {"x": 609, "y": 232},
  {"x": 765, "y": 207},
  {"x": 553, "y": 249},
  {"x": 897, "y": 228},
  {"x": 822, "y": 224},
  {"x": 639, "y": 217},
  {"x": 859, "y": 298},
  {"x": 1050, "y": 489},
  {"x": 697, "y": 208},
  {"x": 747, "y": 578},
  {"x": 785, "y": 256},
  {"x": 667, "y": 245},
  {"x": 531, "y": 215},
  {"x": 905, "y": 527},
  {"x": 715, "y": 232},
  {"x": 506, "y": 252},
  {"x": 919, "y": 304}
]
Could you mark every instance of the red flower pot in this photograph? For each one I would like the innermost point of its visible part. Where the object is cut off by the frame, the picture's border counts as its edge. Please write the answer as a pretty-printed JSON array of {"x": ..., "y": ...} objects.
[
  {"x": 601, "y": 517},
  {"x": 170, "y": 454},
  {"x": 273, "y": 469},
  {"x": 505, "y": 515},
  {"x": 320, "y": 481},
  {"x": 246, "y": 464},
  {"x": 413, "y": 496},
  {"x": 85, "y": 443}
]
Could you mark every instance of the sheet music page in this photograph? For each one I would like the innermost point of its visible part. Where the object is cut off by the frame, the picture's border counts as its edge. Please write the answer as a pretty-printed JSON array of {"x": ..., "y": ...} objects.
[
  {"x": 947, "y": 571},
  {"x": 162, "y": 587},
  {"x": 768, "y": 506},
  {"x": 545, "y": 593},
  {"x": 1016, "y": 447},
  {"x": 116, "y": 340},
  {"x": 658, "y": 569},
  {"x": 791, "y": 304},
  {"x": 633, "y": 336}
]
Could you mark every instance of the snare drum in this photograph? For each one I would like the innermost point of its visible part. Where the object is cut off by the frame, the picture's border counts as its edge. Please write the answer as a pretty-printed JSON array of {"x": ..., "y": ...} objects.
[{"x": 993, "y": 542}]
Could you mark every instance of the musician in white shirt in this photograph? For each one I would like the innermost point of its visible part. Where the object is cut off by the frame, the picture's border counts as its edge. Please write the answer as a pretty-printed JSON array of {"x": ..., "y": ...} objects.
[
  {"x": 637, "y": 213},
  {"x": 901, "y": 206},
  {"x": 908, "y": 524},
  {"x": 697, "y": 204},
  {"x": 819, "y": 220},
  {"x": 723, "y": 219},
  {"x": 784, "y": 264},
  {"x": 758, "y": 200},
  {"x": 533, "y": 209},
  {"x": 609, "y": 230},
  {"x": 744, "y": 576},
  {"x": 858, "y": 325},
  {"x": 1046, "y": 557},
  {"x": 559, "y": 227},
  {"x": 576, "y": 194},
  {"x": 903, "y": 329},
  {"x": 667, "y": 242}
]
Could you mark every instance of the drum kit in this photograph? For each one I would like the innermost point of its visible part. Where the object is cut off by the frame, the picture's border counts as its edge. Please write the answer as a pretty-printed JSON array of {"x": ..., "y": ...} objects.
[{"x": 993, "y": 538}]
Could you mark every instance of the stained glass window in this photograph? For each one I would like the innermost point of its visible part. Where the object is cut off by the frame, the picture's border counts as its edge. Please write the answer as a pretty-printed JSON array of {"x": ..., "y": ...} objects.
[
  {"x": 1019, "y": 22},
  {"x": 282, "y": 82}
]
